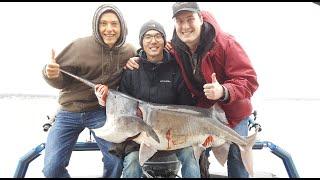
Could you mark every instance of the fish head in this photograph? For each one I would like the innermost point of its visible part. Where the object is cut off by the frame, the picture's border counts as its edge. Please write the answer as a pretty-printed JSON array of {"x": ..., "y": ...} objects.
[{"x": 120, "y": 104}]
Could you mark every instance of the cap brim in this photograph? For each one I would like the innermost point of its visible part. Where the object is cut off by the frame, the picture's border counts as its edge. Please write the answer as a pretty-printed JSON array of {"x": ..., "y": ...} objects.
[{"x": 184, "y": 9}]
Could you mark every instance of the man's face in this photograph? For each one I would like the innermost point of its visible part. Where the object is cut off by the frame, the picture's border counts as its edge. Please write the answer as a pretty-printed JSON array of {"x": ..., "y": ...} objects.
[
  {"x": 153, "y": 44},
  {"x": 188, "y": 26},
  {"x": 109, "y": 28}
]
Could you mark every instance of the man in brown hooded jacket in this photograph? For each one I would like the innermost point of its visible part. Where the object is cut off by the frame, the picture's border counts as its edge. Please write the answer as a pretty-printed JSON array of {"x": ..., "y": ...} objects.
[{"x": 99, "y": 58}]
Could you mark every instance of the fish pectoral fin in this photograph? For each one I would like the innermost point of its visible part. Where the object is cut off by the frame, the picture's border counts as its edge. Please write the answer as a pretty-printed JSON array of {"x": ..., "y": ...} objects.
[
  {"x": 141, "y": 127},
  {"x": 197, "y": 150},
  {"x": 221, "y": 153},
  {"x": 150, "y": 132},
  {"x": 146, "y": 152}
]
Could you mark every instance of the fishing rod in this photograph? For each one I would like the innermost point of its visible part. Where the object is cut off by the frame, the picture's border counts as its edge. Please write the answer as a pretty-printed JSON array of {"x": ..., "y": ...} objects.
[{"x": 79, "y": 78}]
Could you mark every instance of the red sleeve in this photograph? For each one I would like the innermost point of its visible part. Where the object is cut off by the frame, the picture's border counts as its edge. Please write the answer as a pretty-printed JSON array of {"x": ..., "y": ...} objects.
[{"x": 241, "y": 78}]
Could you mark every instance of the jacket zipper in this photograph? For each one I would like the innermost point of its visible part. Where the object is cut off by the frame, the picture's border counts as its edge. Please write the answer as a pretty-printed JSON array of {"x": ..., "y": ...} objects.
[{"x": 194, "y": 66}]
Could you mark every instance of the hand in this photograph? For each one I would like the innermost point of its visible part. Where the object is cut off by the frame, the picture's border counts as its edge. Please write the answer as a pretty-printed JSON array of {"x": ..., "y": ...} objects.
[
  {"x": 132, "y": 63},
  {"x": 168, "y": 46},
  {"x": 213, "y": 90},
  {"x": 101, "y": 92},
  {"x": 52, "y": 69}
]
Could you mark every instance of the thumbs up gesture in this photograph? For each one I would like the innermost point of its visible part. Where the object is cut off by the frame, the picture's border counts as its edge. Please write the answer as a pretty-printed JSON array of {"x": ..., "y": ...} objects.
[
  {"x": 213, "y": 90},
  {"x": 52, "y": 68}
]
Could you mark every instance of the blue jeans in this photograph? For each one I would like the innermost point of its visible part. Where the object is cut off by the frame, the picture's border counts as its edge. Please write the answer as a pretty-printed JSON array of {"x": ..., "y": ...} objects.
[
  {"x": 190, "y": 166},
  {"x": 63, "y": 136},
  {"x": 235, "y": 166}
]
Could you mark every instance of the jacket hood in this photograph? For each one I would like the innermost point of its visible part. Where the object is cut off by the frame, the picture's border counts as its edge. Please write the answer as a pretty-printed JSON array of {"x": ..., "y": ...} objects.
[
  {"x": 208, "y": 17},
  {"x": 95, "y": 25}
]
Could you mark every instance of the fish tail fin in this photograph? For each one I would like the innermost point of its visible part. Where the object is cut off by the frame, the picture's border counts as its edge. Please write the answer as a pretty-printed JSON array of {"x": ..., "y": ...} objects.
[{"x": 246, "y": 153}]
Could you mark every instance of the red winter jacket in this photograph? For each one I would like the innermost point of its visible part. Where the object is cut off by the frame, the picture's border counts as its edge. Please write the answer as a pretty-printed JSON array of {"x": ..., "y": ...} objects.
[{"x": 233, "y": 70}]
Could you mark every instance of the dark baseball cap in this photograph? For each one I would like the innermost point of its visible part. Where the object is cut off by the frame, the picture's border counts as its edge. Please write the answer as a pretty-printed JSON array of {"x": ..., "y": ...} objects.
[{"x": 184, "y": 6}]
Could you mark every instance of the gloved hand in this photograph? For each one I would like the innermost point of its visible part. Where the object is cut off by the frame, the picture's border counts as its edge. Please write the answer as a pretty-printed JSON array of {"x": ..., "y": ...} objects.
[{"x": 101, "y": 92}]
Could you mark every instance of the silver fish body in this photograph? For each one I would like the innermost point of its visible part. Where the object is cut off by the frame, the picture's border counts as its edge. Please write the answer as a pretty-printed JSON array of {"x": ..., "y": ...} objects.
[{"x": 171, "y": 127}]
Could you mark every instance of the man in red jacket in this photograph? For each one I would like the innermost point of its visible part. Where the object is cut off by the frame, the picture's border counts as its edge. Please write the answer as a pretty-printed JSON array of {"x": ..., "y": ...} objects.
[{"x": 215, "y": 69}]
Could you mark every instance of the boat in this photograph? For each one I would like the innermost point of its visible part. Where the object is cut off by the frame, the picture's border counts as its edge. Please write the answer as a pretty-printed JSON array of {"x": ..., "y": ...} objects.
[{"x": 167, "y": 167}]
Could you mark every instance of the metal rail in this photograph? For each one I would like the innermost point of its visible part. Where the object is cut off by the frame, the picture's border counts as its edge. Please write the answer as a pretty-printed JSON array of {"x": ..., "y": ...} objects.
[
  {"x": 282, "y": 154},
  {"x": 25, "y": 160}
]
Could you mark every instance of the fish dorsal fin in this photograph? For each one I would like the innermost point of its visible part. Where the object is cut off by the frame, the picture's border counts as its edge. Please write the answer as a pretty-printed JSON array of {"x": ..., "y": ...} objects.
[
  {"x": 145, "y": 152},
  {"x": 218, "y": 112},
  {"x": 221, "y": 153}
]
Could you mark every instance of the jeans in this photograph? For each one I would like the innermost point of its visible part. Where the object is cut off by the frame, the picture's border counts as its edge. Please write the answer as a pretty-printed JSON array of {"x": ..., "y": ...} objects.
[
  {"x": 190, "y": 166},
  {"x": 63, "y": 136},
  {"x": 131, "y": 166},
  {"x": 235, "y": 166}
]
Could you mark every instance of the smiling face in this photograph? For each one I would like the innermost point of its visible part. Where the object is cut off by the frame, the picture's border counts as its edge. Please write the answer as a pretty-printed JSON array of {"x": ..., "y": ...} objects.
[
  {"x": 153, "y": 45},
  {"x": 109, "y": 28},
  {"x": 188, "y": 27}
]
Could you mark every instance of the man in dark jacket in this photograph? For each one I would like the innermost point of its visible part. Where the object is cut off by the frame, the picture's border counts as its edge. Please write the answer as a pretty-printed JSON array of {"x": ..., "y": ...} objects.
[
  {"x": 99, "y": 58},
  {"x": 216, "y": 70},
  {"x": 158, "y": 81}
]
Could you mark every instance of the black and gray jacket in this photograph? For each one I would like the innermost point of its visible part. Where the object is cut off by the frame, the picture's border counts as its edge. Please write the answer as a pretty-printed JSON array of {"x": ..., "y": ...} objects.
[{"x": 157, "y": 83}]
